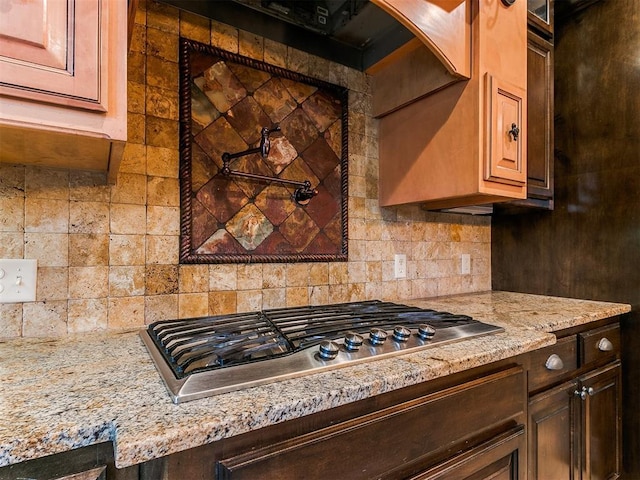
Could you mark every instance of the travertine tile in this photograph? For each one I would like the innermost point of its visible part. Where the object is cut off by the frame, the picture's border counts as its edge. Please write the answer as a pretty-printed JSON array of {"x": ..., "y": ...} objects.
[
  {"x": 87, "y": 315},
  {"x": 191, "y": 305},
  {"x": 45, "y": 319},
  {"x": 12, "y": 180},
  {"x": 163, "y": 191},
  {"x": 50, "y": 249},
  {"x": 163, "y": 220},
  {"x": 136, "y": 98},
  {"x": 223, "y": 277},
  {"x": 126, "y": 281},
  {"x": 52, "y": 284},
  {"x": 194, "y": 278},
  {"x": 51, "y": 183},
  {"x": 126, "y": 249},
  {"x": 10, "y": 320},
  {"x": 162, "y": 249},
  {"x": 162, "y": 73},
  {"x": 275, "y": 53},
  {"x": 273, "y": 275},
  {"x": 195, "y": 27},
  {"x": 162, "y": 44},
  {"x": 222, "y": 302},
  {"x": 297, "y": 296},
  {"x": 319, "y": 274},
  {"x": 136, "y": 128},
  {"x": 130, "y": 188},
  {"x": 161, "y": 132},
  {"x": 46, "y": 215},
  {"x": 88, "y": 217},
  {"x": 274, "y": 298},
  {"x": 87, "y": 249},
  {"x": 163, "y": 17},
  {"x": 87, "y": 186},
  {"x": 319, "y": 295},
  {"x": 251, "y": 45},
  {"x": 162, "y": 103},
  {"x": 12, "y": 214},
  {"x": 126, "y": 313},
  {"x": 88, "y": 282},
  {"x": 128, "y": 219},
  {"x": 249, "y": 300},
  {"x": 134, "y": 159},
  {"x": 224, "y": 36},
  {"x": 297, "y": 274},
  {"x": 249, "y": 277},
  {"x": 162, "y": 162},
  {"x": 11, "y": 244},
  {"x": 161, "y": 279},
  {"x": 160, "y": 307}
]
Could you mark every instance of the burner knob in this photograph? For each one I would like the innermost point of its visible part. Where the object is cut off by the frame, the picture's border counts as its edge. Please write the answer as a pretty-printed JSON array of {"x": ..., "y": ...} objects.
[
  {"x": 352, "y": 341},
  {"x": 328, "y": 350},
  {"x": 401, "y": 333},
  {"x": 426, "y": 332},
  {"x": 377, "y": 336}
]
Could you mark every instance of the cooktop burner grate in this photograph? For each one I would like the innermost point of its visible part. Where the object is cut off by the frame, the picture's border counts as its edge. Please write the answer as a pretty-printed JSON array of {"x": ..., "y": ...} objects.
[
  {"x": 200, "y": 357},
  {"x": 198, "y": 344}
]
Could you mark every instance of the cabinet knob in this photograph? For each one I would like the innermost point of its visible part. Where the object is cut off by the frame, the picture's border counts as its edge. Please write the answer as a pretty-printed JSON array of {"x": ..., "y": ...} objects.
[
  {"x": 605, "y": 345},
  {"x": 508, "y": 3},
  {"x": 554, "y": 362},
  {"x": 514, "y": 132},
  {"x": 584, "y": 392}
]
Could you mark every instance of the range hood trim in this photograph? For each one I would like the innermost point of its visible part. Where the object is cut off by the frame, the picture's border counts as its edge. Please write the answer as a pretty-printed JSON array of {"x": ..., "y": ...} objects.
[{"x": 441, "y": 25}]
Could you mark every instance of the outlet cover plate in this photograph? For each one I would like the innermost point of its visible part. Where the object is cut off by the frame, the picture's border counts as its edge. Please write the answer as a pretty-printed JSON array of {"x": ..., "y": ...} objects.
[
  {"x": 400, "y": 265},
  {"x": 18, "y": 280}
]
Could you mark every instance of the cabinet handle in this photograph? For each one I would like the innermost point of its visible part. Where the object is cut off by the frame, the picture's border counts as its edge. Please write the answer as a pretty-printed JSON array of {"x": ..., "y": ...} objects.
[
  {"x": 515, "y": 131},
  {"x": 605, "y": 345},
  {"x": 584, "y": 393},
  {"x": 554, "y": 362}
]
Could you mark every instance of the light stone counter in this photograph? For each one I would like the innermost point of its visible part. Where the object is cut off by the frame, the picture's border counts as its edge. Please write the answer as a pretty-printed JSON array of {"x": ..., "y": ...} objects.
[{"x": 65, "y": 393}]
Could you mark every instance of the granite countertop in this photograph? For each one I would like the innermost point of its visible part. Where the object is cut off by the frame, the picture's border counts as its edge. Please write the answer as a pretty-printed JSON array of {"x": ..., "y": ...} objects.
[{"x": 60, "y": 394}]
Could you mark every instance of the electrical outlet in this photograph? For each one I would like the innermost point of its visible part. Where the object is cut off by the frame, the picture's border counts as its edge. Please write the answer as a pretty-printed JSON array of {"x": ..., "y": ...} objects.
[
  {"x": 400, "y": 265},
  {"x": 18, "y": 280},
  {"x": 465, "y": 264}
]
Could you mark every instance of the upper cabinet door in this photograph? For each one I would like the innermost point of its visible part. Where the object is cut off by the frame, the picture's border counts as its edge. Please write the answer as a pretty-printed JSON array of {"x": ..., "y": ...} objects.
[
  {"x": 50, "y": 52},
  {"x": 506, "y": 127}
]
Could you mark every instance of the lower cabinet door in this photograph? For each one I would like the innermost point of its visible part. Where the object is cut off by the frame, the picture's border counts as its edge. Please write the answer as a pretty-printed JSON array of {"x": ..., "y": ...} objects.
[
  {"x": 501, "y": 458},
  {"x": 553, "y": 434},
  {"x": 602, "y": 423}
]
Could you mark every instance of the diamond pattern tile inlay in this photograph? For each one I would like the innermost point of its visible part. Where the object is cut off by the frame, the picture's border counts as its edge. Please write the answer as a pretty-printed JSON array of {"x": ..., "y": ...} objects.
[
  {"x": 238, "y": 219},
  {"x": 249, "y": 227}
]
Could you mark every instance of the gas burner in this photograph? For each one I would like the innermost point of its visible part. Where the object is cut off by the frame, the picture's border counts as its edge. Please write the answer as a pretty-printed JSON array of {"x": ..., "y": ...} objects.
[{"x": 206, "y": 356}]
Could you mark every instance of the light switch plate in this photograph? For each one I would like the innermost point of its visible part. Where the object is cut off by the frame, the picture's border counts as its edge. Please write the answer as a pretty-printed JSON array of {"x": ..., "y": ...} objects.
[{"x": 18, "y": 280}]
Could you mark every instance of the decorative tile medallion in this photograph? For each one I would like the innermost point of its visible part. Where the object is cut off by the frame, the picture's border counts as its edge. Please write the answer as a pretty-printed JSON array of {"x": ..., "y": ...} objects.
[{"x": 248, "y": 212}]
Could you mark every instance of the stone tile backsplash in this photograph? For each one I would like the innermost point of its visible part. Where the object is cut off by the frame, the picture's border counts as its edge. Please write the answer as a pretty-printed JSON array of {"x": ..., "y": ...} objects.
[{"x": 108, "y": 255}]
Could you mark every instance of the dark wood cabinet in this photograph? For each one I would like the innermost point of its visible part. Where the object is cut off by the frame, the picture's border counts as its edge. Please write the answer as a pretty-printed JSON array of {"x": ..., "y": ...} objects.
[
  {"x": 575, "y": 427},
  {"x": 540, "y": 121},
  {"x": 94, "y": 462},
  {"x": 475, "y": 428}
]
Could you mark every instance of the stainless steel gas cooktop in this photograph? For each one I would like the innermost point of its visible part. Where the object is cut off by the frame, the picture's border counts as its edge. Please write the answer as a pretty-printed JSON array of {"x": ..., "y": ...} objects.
[{"x": 200, "y": 357}]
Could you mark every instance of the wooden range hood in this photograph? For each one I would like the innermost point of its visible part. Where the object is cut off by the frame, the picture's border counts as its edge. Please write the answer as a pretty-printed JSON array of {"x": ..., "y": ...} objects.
[{"x": 452, "y": 104}]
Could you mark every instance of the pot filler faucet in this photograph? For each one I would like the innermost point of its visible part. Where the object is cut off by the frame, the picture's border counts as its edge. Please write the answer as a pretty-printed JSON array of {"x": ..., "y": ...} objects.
[{"x": 302, "y": 195}]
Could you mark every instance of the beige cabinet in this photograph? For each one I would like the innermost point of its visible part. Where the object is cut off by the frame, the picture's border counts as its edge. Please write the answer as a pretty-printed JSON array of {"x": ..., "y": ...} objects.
[
  {"x": 63, "y": 96},
  {"x": 464, "y": 144}
]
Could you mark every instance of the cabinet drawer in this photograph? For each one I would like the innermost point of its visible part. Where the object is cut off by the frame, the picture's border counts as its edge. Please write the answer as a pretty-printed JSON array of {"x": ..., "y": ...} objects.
[
  {"x": 600, "y": 343},
  {"x": 415, "y": 431},
  {"x": 552, "y": 363}
]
